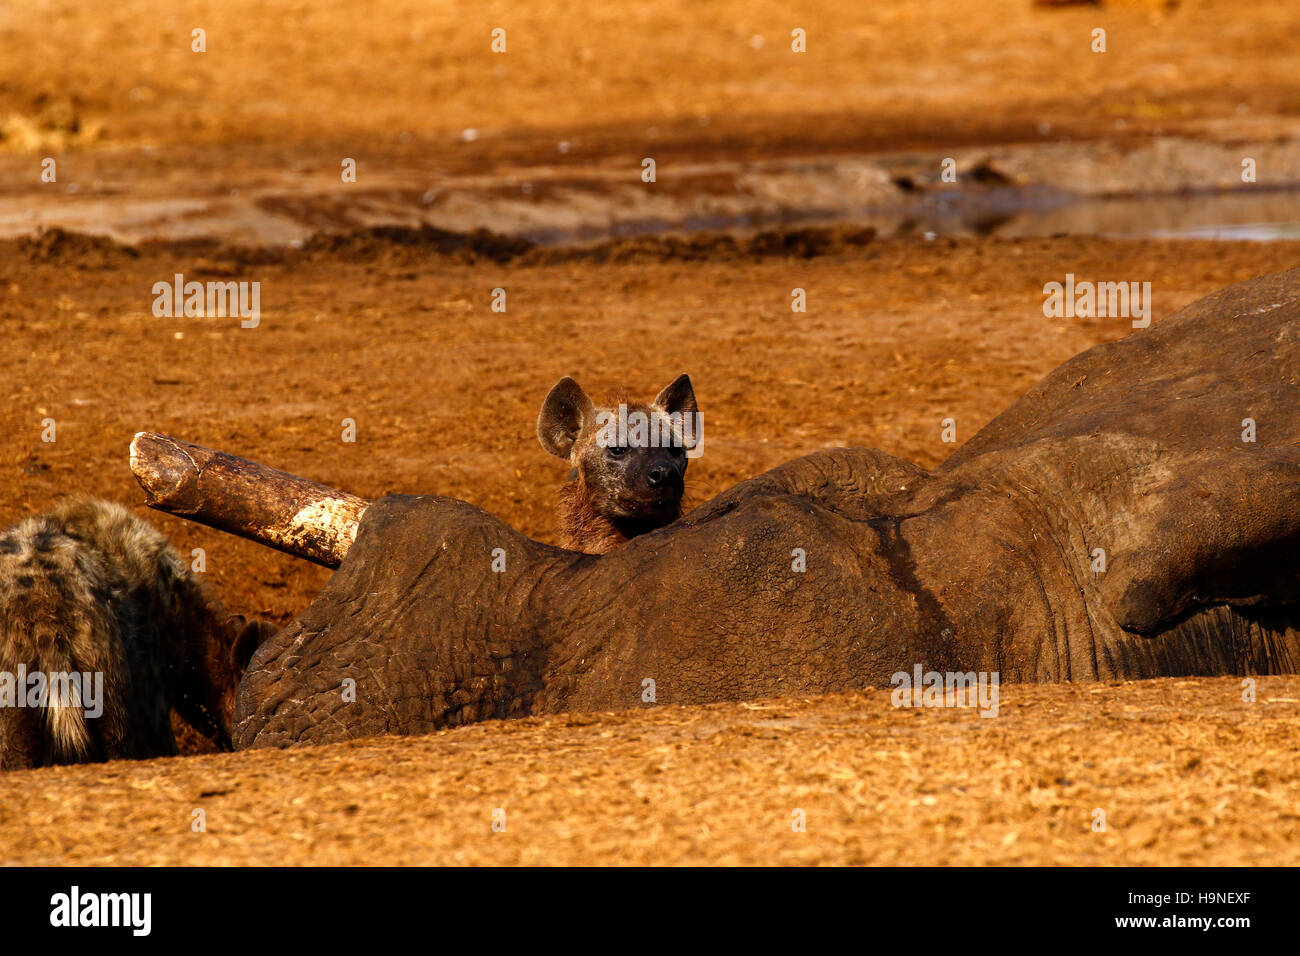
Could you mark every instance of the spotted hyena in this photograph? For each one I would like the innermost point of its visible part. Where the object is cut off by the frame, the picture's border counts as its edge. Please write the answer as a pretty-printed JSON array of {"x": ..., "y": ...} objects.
[
  {"x": 629, "y": 461},
  {"x": 103, "y": 630}
]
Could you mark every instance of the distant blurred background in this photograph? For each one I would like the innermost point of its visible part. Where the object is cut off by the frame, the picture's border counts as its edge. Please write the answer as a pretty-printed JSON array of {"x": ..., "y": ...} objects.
[{"x": 415, "y": 91}]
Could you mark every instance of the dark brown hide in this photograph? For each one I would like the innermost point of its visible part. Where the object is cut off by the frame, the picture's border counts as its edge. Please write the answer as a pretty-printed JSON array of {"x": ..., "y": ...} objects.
[{"x": 984, "y": 564}]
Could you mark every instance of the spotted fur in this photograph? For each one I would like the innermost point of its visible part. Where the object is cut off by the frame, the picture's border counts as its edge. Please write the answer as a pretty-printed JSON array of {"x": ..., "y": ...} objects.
[{"x": 89, "y": 588}]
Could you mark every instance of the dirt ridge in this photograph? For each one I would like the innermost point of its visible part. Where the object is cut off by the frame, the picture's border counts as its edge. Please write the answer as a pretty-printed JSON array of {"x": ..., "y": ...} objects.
[{"x": 86, "y": 251}]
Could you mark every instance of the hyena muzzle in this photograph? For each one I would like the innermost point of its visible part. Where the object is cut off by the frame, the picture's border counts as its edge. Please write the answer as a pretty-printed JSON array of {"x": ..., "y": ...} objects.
[{"x": 103, "y": 631}]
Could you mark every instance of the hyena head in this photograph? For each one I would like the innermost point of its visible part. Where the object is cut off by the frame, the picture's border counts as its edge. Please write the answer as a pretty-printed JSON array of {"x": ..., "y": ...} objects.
[{"x": 629, "y": 461}]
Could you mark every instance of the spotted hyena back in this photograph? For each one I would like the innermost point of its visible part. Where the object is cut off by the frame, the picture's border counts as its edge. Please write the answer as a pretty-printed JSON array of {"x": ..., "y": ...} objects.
[
  {"x": 103, "y": 630},
  {"x": 629, "y": 461}
]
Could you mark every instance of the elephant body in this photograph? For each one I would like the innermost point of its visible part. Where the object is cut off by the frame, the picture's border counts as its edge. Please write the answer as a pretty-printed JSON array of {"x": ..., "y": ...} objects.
[{"x": 1112, "y": 523}]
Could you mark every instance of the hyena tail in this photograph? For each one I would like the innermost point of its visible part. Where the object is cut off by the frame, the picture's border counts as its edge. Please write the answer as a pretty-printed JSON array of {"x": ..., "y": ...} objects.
[
  {"x": 57, "y": 629},
  {"x": 66, "y": 731}
]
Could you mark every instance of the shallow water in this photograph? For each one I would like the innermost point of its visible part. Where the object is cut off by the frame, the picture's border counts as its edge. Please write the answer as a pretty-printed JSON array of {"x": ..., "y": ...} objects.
[
  {"x": 281, "y": 213},
  {"x": 1250, "y": 215},
  {"x": 1245, "y": 215}
]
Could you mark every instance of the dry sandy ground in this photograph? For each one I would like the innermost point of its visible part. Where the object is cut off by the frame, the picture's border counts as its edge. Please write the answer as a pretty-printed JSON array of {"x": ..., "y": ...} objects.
[
  {"x": 1185, "y": 772},
  {"x": 398, "y": 336},
  {"x": 716, "y": 77},
  {"x": 444, "y": 392},
  {"x": 246, "y": 140}
]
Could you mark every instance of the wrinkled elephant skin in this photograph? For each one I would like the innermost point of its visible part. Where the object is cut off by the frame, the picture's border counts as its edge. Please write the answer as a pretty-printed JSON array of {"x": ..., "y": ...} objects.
[{"x": 1132, "y": 452}]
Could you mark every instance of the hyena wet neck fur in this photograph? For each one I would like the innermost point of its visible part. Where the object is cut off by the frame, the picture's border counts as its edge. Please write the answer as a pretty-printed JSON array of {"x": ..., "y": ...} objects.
[
  {"x": 88, "y": 588},
  {"x": 624, "y": 483}
]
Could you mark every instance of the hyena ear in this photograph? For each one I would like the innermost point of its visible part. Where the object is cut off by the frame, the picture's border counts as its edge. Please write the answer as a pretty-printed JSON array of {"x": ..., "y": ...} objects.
[
  {"x": 249, "y": 637},
  {"x": 566, "y": 409},
  {"x": 678, "y": 397}
]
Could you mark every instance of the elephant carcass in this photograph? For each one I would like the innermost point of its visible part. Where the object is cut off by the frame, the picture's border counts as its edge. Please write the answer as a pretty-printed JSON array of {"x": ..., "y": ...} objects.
[{"x": 838, "y": 570}]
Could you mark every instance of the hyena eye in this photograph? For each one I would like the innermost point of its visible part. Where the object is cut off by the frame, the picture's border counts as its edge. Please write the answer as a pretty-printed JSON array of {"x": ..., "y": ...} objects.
[
  {"x": 675, "y": 451},
  {"x": 617, "y": 451}
]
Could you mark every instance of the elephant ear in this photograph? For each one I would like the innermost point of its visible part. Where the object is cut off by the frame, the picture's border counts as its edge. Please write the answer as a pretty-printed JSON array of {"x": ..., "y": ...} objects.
[
  {"x": 1207, "y": 531},
  {"x": 566, "y": 411},
  {"x": 1175, "y": 450}
]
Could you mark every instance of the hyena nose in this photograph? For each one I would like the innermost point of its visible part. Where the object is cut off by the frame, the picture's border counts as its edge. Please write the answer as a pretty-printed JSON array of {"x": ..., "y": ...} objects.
[{"x": 657, "y": 475}]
